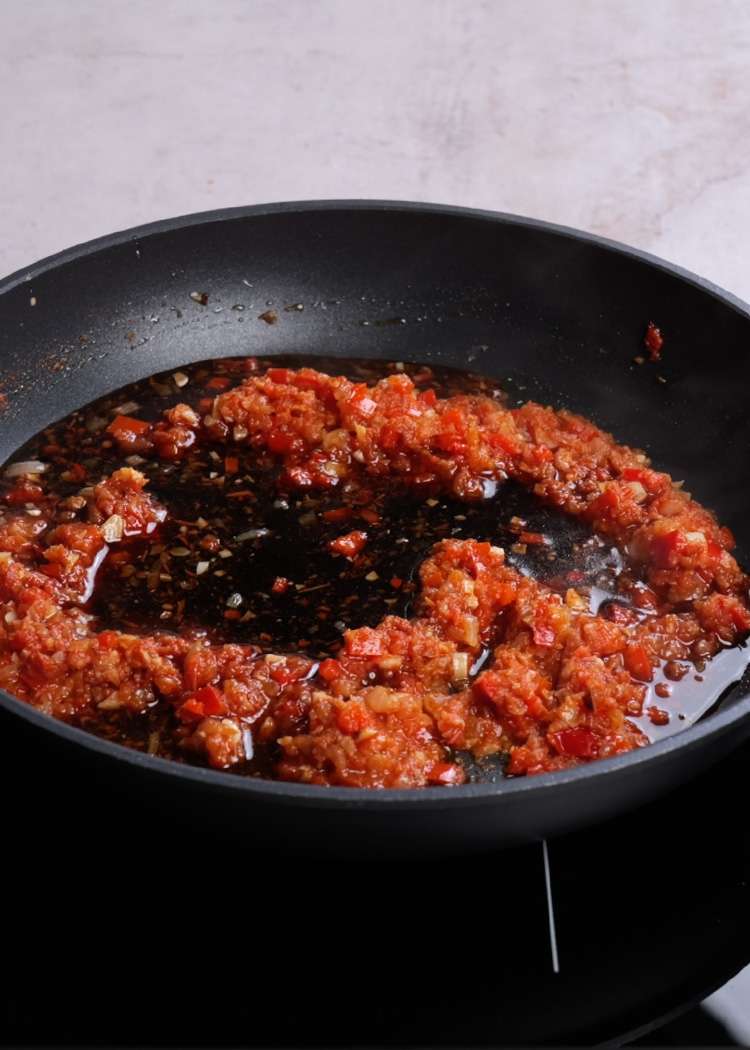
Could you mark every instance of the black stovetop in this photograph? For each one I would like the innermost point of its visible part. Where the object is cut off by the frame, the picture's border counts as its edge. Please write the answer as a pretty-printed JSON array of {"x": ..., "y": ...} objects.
[{"x": 146, "y": 938}]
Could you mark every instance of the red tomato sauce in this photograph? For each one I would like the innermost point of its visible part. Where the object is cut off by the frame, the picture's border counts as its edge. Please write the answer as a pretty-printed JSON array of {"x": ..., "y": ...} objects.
[{"x": 124, "y": 610}]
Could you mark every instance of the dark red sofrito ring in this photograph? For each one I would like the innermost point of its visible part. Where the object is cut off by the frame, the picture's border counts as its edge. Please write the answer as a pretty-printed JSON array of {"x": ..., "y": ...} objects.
[{"x": 487, "y": 662}]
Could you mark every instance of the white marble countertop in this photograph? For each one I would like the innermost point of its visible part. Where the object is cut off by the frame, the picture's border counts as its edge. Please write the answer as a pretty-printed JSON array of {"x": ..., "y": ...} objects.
[{"x": 626, "y": 119}]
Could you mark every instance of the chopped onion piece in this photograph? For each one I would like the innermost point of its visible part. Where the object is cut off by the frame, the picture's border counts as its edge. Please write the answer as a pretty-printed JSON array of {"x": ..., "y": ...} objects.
[
  {"x": 26, "y": 466},
  {"x": 113, "y": 528},
  {"x": 127, "y": 409},
  {"x": 252, "y": 533},
  {"x": 460, "y": 666}
]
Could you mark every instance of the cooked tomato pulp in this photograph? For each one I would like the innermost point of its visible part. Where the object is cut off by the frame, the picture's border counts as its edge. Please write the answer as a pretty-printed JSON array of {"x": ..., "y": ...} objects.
[{"x": 388, "y": 580}]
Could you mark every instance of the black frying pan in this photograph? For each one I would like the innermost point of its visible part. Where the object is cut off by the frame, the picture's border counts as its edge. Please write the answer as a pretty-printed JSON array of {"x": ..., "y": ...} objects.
[{"x": 557, "y": 315}]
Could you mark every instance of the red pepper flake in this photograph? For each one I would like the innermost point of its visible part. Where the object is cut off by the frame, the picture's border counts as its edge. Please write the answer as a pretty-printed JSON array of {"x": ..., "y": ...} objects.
[
  {"x": 638, "y": 662},
  {"x": 396, "y": 582},
  {"x": 205, "y": 702},
  {"x": 580, "y": 742},
  {"x": 653, "y": 341},
  {"x": 337, "y": 515},
  {"x": 218, "y": 383},
  {"x": 330, "y": 670},
  {"x": 445, "y": 773},
  {"x": 125, "y": 428},
  {"x": 350, "y": 544},
  {"x": 533, "y": 537},
  {"x": 231, "y": 464},
  {"x": 280, "y": 585}
]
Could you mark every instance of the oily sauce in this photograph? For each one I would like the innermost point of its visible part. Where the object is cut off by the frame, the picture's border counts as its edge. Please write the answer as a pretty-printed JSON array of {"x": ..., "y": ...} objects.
[{"x": 252, "y": 566}]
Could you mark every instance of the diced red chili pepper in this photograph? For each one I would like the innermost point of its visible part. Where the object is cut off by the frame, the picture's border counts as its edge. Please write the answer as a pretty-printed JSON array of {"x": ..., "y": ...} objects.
[
  {"x": 396, "y": 582},
  {"x": 446, "y": 773},
  {"x": 544, "y": 628},
  {"x": 279, "y": 441},
  {"x": 280, "y": 375},
  {"x": 364, "y": 641},
  {"x": 349, "y": 545},
  {"x": 125, "y": 428},
  {"x": 353, "y": 717},
  {"x": 389, "y": 436},
  {"x": 666, "y": 550},
  {"x": 619, "y": 614},
  {"x": 330, "y": 670},
  {"x": 204, "y": 703},
  {"x": 727, "y": 538},
  {"x": 543, "y": 454},
  {"x": 504, "y": 443},
  {"x": 654, "y": 341},
  {"x": 212, "y": 700},
  {"x": 338, "y": 515},
  {"x": 25, "y": 492},
  {"x": 283, "y": 673},
  {"x": 217, "y": 384},
  {"x": 280, "y": 585},
  {"x": 231, "y": 464},
  {"x": 578, "y": 742},
  {"x": 533, "y": 537},
  {"x": 638, "y": 662}
]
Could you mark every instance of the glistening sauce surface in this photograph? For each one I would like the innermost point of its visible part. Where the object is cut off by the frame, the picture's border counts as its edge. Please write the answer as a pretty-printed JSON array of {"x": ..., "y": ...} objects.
[{"x": 283, "y": 574}]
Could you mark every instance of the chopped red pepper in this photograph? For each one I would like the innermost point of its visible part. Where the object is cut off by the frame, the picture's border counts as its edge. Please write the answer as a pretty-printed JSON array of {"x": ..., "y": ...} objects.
[
  {"x": 218, "y": 384},
  {"x": 349, "y": 545},
  {"x": 446, "y": 773},
  {"x": 638, "y": 662},
  {"x": 533, "y": 537},
  {"x": 202, "y": 704},
  {"x": 330, "y": 669},
  {"x": 280, "y": 375},
  {"x": 126, "y": 429},
  {"x": 579, "y": 742},
  {"x": 654, "y": 341},
  {"x": 337, "y": 515}
]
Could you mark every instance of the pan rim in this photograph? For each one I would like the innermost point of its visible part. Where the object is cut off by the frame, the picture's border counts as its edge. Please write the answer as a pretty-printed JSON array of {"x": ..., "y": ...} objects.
[
  {"x": 150, "y": 229},
  {"x": 410, "y": 798}
]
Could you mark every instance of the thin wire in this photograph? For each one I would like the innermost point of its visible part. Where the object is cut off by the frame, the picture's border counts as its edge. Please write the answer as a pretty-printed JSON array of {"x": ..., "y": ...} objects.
[{"x": 550, "y": 909}]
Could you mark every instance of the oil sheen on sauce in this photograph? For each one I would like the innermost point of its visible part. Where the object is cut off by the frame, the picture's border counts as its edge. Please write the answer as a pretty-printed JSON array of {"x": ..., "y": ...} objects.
[{"x": 248, "y": 563}]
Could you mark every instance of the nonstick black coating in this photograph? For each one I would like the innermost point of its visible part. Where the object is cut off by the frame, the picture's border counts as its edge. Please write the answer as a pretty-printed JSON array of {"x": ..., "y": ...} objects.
[{"x": 558, "y": 316}]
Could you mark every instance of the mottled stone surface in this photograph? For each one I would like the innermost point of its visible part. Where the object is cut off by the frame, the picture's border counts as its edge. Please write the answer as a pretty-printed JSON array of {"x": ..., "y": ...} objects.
[{"x": 629, "y": 120}]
